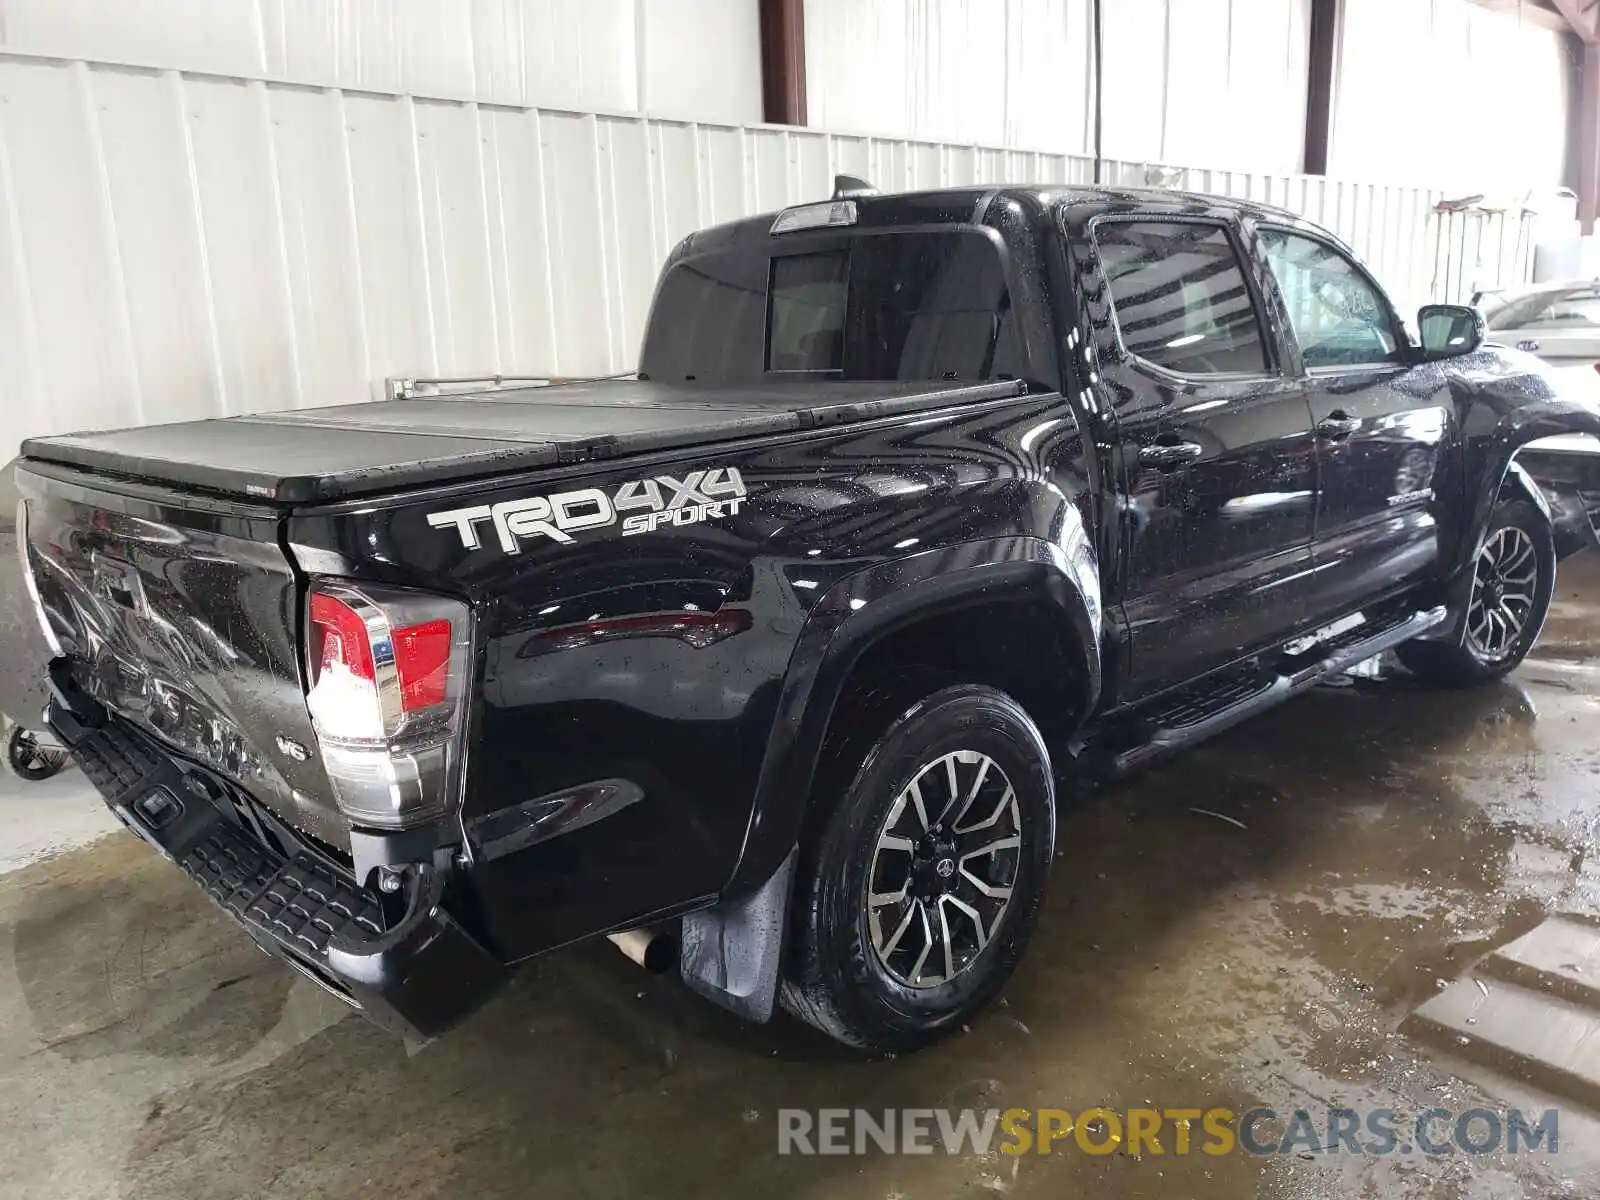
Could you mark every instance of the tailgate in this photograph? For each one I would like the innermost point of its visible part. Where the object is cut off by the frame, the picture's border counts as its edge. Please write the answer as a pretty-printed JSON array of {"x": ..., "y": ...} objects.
[{"x": 183, "y": 615}]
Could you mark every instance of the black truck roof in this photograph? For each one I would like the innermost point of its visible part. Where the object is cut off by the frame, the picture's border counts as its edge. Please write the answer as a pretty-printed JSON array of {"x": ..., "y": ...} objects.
[
  {"x": 968, "y": 204},
  {"x": 319, "y": 454}
]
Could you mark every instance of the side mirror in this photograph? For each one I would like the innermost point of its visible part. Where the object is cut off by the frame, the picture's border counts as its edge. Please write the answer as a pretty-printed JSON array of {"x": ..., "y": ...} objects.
[{"x": 1450, "y": 330}]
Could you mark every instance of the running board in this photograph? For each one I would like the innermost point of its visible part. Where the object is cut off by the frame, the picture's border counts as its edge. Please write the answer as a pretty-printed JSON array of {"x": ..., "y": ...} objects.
[
  {"x": 1208, "y": 708},
  {"x": 1361, "y": 643}
]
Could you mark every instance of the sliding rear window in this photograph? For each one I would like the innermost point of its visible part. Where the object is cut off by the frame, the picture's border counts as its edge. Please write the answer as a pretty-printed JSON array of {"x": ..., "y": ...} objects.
[
  {"x": 806, "y": 310},
  {"x": 879, "y": 306}
]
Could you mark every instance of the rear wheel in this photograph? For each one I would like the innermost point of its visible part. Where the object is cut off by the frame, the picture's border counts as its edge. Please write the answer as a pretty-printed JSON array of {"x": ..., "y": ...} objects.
[
  {"x": 917, "y": 895},
  {"x": 1513, "y": 579}
]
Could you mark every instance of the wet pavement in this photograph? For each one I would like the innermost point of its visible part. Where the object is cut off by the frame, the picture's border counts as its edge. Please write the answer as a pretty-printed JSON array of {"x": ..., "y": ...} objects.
[{"x": 1359, "y": 848}]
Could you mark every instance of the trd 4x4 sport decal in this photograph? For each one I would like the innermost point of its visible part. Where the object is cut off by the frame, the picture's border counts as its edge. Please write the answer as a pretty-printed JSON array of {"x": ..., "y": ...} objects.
[{"x": 662, "y": 500}]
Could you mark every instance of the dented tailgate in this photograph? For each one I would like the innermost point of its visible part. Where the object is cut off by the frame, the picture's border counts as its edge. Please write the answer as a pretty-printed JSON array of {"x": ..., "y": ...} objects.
[{"x": 182, "y": 614}]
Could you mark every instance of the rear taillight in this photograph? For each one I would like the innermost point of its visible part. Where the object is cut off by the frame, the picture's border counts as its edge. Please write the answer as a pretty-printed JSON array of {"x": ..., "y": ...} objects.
[{"x": 388, "y": 682}]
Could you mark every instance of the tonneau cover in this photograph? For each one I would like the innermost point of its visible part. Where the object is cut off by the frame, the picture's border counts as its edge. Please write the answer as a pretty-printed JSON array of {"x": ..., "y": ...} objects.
[{"x": 321, "y": 454}]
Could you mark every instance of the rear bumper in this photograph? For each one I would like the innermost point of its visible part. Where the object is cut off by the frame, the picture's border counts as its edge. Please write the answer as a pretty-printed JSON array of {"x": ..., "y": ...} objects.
[{"x": 415, "y": 972}]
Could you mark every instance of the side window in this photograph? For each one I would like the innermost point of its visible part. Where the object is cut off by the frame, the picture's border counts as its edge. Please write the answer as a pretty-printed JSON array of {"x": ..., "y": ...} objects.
[
  {"x": 1338, "y": 317},
  {"x": 1180, "y": 297}
]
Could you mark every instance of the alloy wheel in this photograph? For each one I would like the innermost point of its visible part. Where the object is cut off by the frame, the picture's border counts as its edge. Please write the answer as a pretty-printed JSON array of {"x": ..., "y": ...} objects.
[
  {"x": 943, "y": 869},
  {"x": 1505, "y": 582}
]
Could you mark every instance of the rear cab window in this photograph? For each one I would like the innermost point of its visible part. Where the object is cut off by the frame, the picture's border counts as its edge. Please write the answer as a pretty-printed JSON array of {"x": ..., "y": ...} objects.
[
  {"x": 871, "y": 304},
  {"x": 806, "y": 311}
]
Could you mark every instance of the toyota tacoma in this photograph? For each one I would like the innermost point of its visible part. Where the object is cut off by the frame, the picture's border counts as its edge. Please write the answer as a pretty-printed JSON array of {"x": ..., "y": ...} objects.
[{"x": 768, "y": 661}]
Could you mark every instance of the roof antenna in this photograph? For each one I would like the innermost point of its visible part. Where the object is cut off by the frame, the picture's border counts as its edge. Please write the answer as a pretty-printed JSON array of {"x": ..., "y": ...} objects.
[{"x": 847, "y": 186}]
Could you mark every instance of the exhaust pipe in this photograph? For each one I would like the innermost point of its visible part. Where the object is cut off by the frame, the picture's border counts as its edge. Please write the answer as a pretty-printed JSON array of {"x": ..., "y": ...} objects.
[{"x": 655, "y": 952}]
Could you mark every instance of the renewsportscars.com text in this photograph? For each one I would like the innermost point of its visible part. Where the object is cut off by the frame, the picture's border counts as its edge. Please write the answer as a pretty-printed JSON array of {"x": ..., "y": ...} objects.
[{"x": 1160, "y": 1131}]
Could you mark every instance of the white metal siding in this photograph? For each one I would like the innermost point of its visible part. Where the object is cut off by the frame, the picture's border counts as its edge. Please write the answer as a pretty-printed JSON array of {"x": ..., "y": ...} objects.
[
  {"x": 1429, "y": 90},
  {"x": 1450, "y": 90},
  {"x": 696, "y": 59},
  {"x": 221, "y": 206},
  {"x": 1185, "y": 80},
  {"x": 999, "y": 72},
  {"x": 1207, "y": 81}
]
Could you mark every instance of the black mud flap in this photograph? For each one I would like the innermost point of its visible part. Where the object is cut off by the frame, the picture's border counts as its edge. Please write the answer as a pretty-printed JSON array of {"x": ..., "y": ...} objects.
[{"x": 731, "y": 951}]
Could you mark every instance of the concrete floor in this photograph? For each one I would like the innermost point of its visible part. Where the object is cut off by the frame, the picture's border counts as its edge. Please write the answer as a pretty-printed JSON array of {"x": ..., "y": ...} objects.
[{"x": 1392, "y": 836}]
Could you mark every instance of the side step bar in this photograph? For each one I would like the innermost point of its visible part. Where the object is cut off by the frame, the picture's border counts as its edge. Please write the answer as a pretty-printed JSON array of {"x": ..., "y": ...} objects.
[
  {"x": 1362, "y": 643},
  {"x": 1209, "y": 707}
]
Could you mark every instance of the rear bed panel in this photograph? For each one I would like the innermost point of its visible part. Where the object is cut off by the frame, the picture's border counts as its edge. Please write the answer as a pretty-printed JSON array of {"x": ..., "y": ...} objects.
[
  {"x": 183, "y": 615},
  {"x": 686, "y": 722}
]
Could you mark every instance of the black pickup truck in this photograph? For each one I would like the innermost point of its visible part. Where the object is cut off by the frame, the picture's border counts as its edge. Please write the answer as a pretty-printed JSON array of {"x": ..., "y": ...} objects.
[{"x": 769, "y": 661}]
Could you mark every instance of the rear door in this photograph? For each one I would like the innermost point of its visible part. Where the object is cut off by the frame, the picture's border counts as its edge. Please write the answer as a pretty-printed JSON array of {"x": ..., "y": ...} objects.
[
  {"x": 1216, "y": 446},
  {"x": 1381, "y": 424}
]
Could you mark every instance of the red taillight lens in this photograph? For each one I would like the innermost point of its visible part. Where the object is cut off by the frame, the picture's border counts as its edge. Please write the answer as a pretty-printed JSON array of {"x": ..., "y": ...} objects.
[
  {"x": 339, "y": 636},
  {"x": 422, "y": 656},
  {"x": 387, "y": 672}
]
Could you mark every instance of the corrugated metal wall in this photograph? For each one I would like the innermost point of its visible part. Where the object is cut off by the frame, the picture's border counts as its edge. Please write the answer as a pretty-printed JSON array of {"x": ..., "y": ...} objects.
[
  {"x": 1016, "y": 73},
  {"x": 1433, "y": 91},
  {"x": 1447, "y": 90},
  {"x": 696, "y": 59}
]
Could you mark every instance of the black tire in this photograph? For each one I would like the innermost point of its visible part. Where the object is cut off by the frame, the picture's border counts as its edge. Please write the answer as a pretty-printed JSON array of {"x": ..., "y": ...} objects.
[
  {"x": 28, "y": 759},
  {"x": 1468, "y": 662},
  {"x": 835, "y": 977}
]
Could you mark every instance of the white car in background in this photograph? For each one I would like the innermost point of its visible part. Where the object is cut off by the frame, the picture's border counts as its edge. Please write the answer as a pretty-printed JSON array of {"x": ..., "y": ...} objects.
[{"x": 1558, "y": 323}]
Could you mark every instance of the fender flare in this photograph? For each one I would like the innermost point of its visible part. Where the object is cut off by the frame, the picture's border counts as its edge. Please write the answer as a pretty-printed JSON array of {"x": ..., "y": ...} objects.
[
  {"x": 1491, "y": 466},
  {"x": 1492, "y": 471},
  {"x": 861, "y": 609}
]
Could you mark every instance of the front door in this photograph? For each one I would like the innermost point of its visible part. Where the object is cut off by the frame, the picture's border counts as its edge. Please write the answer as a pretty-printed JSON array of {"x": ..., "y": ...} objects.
[
  {"x": 1218, "y": 464},
  {"x": 1381, "y": 425}
]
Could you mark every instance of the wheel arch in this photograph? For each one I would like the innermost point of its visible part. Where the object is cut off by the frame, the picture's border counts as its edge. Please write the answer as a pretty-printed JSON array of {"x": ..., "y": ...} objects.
[
  {"x": 964, "y": 601},
  {"x": 1501, "y": 478},
  {"x": 1493, "y": 471}
]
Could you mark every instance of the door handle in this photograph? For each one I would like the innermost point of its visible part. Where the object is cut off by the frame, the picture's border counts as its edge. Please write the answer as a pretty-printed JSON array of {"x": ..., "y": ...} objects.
[
  {"x": 1169, "y": 456},
  {"x": 1529, "y": 347},
  {"x": 1337, "y": 424}
]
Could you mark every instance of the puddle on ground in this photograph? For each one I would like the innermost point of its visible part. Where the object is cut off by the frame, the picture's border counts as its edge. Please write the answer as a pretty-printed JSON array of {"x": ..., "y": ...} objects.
[{"x": 1379, "y": 838}]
